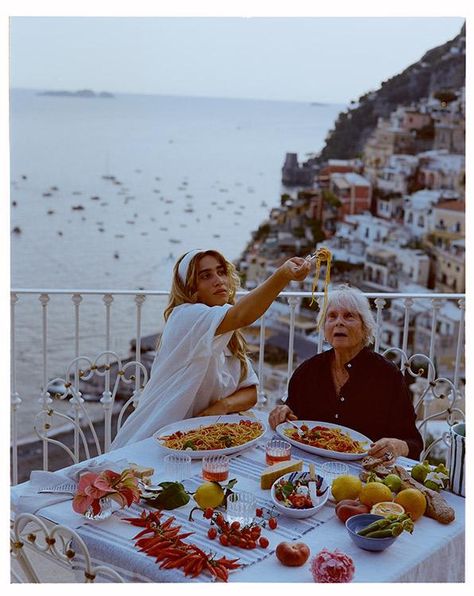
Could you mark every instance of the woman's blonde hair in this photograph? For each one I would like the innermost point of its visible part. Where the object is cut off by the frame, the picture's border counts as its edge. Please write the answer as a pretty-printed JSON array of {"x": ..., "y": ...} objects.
[{"x": 187, "y": 293}]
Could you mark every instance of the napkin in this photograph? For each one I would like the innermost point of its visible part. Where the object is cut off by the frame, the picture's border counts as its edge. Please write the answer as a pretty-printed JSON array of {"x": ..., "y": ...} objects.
[{"x": 31, "y": 500}]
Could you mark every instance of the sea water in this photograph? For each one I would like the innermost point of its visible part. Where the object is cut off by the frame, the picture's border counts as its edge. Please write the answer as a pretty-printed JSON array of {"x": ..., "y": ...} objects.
[{"x": 109, "y": 193}]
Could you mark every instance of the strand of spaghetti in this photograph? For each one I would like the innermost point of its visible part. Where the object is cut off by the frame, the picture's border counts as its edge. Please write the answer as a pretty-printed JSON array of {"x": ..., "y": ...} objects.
[{"x": 322, "y": 255}]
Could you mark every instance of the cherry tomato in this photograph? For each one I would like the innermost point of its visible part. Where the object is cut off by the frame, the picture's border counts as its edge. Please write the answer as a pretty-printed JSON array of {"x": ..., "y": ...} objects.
[
  {"x": 208, "y": 512},
  {"x": 272, "y": 523},
  {"x": 235, "y": 525},
  {"x": 255, "y": 532},
  {"x": 263, "y": 541},
  {"x": 259, "y": 512},
  {"x": 224, "y": 540},
  {"x": 212, "y": 533},
  {"x": 220, "y": 519}
]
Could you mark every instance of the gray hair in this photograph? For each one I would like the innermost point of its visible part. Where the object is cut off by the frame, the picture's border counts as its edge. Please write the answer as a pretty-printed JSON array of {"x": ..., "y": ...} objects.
[{"x": 353, "y": 299}]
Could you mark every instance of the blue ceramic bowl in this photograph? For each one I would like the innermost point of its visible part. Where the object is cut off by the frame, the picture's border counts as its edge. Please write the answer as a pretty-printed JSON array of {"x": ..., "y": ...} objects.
[{"x": 357, "y": 522}]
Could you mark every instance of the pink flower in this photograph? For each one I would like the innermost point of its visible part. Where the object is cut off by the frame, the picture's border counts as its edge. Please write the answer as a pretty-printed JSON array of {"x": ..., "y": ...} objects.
[
  {"x": 107, "y": 480},
  {"x": 332, "y": 567},
  {"x": 123, "y": 488}
]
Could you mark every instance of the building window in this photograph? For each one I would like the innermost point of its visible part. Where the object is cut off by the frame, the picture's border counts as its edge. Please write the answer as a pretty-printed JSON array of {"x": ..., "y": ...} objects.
[{"x": 421, "y": 221}]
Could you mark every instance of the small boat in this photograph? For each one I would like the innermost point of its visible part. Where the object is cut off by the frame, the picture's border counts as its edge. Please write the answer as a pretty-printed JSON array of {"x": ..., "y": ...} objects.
[
  {"x": 77, "y": 208},
  {"x": 50, "y": 211},
  {"x": 54, "y": 188},
  {"x": 16, "y": 230},
  {"x": 47, "y": 194},
  {"x": 174, "y": 241},
  {"x": 116, "y": 255},
  {"x": 95, "y": 198}
]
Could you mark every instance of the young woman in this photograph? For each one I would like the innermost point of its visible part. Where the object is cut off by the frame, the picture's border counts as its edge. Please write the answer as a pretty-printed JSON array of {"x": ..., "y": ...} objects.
[{"x": 201, "y": 367}]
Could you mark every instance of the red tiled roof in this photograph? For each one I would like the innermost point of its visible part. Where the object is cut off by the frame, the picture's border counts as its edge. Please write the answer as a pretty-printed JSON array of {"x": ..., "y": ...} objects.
[{"x": 456, "y": 205}]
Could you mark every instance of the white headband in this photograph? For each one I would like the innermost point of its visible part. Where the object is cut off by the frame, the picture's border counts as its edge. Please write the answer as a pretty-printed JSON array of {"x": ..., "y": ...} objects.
[{"x": 184, "y": 264}]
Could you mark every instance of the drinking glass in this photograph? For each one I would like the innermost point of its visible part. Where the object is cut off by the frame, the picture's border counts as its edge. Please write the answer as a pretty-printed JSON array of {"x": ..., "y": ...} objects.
[
  {"x": 177, "y": 467},
  {"x": 105, "y": 510},
  {"x": 241, "y": 507},
  {"x": 277, "y": 451},
  {"x": 215, "y": 467},
  {"x": 333, "y": 469}
]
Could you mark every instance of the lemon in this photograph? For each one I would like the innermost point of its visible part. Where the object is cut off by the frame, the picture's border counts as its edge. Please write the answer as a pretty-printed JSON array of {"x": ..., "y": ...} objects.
[
  {"x": 374, "y": 492},
  {"x": 209, "y": 494},
  {"x": 387, "y": 508},
  {"x": 345, "y": 487}
]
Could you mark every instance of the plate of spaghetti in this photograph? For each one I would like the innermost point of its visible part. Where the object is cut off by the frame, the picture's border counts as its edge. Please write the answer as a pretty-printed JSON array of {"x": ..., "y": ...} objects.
[
  {"x": 326, "y": 439},
  {"x": 210, "y": 435}
]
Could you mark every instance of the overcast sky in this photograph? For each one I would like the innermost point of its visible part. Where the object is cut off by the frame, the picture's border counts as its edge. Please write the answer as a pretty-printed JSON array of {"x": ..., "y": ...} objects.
[{"x": 290, "y": 58}]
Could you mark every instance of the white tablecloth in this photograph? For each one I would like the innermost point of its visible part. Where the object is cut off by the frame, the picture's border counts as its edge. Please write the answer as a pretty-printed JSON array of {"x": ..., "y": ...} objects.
[{"x": 433, "y": 553}]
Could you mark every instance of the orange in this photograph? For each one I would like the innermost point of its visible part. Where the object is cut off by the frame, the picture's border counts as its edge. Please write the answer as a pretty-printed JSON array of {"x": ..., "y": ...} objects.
[
  {"x": 387, "y": 508},
  {"x": 375, "y": 492},
  {"x": 413, "y": 501}
]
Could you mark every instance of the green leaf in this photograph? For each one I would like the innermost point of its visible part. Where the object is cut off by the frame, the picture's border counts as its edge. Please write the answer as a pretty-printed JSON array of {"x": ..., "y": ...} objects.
[
  {"x": 287, "y": 489},
  {"x": 189, "y": 445},
  {"x": 230, "y": 485}
]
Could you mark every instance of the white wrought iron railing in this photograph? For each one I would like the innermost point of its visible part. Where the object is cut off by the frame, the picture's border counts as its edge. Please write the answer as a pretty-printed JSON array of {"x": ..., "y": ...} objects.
[{"x": 412, "y": 328}]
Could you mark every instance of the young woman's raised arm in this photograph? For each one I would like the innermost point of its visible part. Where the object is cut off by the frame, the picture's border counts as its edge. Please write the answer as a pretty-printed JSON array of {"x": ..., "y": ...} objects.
[{"x": 252, "y": 306}]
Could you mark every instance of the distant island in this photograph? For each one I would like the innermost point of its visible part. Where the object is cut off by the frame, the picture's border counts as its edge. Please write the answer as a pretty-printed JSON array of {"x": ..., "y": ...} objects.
[{"x": 81, "y": 93}]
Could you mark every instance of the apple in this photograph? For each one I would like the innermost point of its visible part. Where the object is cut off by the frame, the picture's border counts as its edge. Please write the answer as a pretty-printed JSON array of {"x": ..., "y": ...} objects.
[
  {"x": 349, "y": 507},
  {"x": 292, "y": 554}
]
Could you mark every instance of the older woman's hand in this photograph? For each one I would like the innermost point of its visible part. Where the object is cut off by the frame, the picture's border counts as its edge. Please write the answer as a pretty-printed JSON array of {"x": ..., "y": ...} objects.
[
  {"x": 388, "y": 449},
  {"x": 279, "y": 415}
]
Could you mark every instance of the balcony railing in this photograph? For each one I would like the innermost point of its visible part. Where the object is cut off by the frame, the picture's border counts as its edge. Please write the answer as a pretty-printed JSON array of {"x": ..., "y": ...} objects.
[{"x": 402, "y": 317}]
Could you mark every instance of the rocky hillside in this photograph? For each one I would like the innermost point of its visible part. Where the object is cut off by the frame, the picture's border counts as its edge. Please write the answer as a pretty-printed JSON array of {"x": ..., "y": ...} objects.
[{"x": 441, "y": 68}]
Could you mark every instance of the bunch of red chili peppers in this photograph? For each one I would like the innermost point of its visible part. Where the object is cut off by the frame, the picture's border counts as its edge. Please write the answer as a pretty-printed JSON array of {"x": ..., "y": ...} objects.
[{"x": 162, "y": 540}]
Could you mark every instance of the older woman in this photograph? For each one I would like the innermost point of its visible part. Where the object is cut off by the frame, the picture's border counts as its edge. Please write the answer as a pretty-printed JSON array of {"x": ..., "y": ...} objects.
[{"x": 352, "y": 385}]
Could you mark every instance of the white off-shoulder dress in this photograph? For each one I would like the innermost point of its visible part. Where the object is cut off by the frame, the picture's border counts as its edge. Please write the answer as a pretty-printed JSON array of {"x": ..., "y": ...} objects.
[{"x": 192, "y": 370}]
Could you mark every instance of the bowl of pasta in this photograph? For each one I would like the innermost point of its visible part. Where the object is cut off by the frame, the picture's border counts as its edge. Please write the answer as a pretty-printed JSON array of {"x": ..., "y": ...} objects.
[
  {"x": 210, "y": 435},
  {"x": 326, "y": 439}
]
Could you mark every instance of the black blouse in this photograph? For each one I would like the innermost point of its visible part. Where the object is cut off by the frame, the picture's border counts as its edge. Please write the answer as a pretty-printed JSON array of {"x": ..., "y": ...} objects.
[{"x": 375, "y": 400}]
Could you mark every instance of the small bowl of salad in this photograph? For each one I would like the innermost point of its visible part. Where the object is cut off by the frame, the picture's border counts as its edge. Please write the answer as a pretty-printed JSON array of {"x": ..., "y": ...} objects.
[{"x": 291, "y": 494}]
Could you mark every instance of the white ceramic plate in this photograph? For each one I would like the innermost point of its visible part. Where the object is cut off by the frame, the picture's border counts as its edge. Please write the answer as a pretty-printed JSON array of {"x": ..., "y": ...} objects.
[
  {"x": 325, "y": 452},
  {"x": 300, "y": 513},
  {"x": 194, "y": 423}
]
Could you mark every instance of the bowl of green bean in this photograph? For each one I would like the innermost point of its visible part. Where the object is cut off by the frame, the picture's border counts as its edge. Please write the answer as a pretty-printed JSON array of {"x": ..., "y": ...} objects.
[{"x": 376, "y": 532}]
